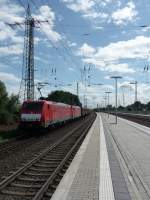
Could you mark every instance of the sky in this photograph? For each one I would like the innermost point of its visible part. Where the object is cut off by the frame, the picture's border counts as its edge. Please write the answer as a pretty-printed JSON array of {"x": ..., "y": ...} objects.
[{"x": 84, "y": 41}]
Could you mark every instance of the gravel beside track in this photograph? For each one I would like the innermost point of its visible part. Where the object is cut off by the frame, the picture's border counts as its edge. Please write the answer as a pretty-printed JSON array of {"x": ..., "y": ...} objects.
[
  {"x": 17, "y": 152},
  {"x": 48, "y": 166}
]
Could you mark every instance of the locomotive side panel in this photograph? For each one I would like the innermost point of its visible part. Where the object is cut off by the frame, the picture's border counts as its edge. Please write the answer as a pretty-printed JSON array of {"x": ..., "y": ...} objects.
[{"x": 45, "y": 113}]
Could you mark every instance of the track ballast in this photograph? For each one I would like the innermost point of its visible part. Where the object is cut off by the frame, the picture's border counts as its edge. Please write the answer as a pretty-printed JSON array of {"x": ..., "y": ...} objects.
[{"x": 39, "y": 178}]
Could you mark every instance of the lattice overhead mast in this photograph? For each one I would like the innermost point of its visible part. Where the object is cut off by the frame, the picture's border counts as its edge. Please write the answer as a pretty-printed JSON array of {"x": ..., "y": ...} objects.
[
  {"x": 27, "y": 83},
  {"x": 29, "y": 56}
]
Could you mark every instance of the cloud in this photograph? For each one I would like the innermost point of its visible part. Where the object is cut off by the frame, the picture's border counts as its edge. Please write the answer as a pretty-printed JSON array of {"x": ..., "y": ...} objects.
[
  {"x": 112, "y": 57},
  {"x": 9, "y": 77},
  {"x": 125, "y": 15},
  {"x": 46, "y": 13},
  {"x": 129, "y": 92},
  {"x": 79, "y": 5},
  {"x": 134, "y": 48},
  {"x": 86, "y": 50},
  {"x": 11, "y": 37},
  {"x": 11, "y": 50},
  {"x": 71, "y": 69},
  {"x": 120, "y": 68},
  {"x": 99, "y": 11},
  {"x": 8, "y": 33},
  {"x": 71, "y": 44},
  {"x": 87, "y": 8},
  {"x": 10, "y": 12}
]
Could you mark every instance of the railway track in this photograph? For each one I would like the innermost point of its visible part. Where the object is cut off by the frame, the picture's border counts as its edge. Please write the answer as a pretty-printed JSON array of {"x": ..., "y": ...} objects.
[
  {"x": 39, "y": 178},
  {"x": 140, "y": 119},
  {"x": 12, "y": 146}
]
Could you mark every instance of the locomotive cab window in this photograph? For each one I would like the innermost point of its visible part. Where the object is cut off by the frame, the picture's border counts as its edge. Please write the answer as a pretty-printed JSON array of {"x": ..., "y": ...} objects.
[{"x": 32, "y": 106}]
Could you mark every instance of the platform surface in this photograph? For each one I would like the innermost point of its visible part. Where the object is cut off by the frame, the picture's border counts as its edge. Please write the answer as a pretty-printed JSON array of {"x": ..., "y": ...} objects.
[
  {"x": 81, "y": 180},
  {"x": 113, "y": 163},
  {"x": 132, "y": 141}
]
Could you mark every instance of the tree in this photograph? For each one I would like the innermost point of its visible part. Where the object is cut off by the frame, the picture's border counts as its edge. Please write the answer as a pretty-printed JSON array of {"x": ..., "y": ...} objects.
[
  {"x": 148, "y": 106},
  {"x": 9, "y": 106},
  {"x": 120, "y": 108},
  {"x": 64, "y": 97},
  {"x": 3, "y": 103},
  {"x": 3, "y": 96},
  {"x": 13, "y": 106}
]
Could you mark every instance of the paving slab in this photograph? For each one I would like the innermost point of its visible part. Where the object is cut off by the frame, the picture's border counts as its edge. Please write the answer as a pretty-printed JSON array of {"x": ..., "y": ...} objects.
[
  {"x": 133, "y": 142},
  {"x": 95, "y": 172},
  {"x": 89, "y": 176}
]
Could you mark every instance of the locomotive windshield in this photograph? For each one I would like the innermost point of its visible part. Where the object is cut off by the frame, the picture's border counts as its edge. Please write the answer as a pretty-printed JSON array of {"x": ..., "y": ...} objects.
[{"x": 32, "y": 106}]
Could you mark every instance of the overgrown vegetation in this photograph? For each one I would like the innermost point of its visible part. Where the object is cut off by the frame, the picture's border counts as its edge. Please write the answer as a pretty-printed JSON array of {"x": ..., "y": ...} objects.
[
  {"x": 9, "y": 106},
  {"x": 63, "y": 97}
]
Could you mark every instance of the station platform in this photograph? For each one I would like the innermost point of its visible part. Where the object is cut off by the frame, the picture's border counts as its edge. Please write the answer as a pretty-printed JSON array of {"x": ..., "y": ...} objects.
[{"x": 113, "y": 163}]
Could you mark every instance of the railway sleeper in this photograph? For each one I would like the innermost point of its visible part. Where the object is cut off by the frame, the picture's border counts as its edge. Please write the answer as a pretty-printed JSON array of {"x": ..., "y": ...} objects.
[
  {"x": 48, "y": 194},
  {"x": 51, "y": 159},
  {"x": 36, "y": 174},
  {"x": 47, "y": 165},
  {"x": 53, "y": 155},
  {"x": 64, "y": 170},
  {"x": 53, "y": 187},
  {"x": 17, "y": 193},
  {"x": 66, "y": 165},
  {"x": 60, "y": 174},
  {"x": 25, "y": 185},
  {"x": 42, "y": 169},
  {"x": 58, "y": 179},
  {"x": 11, "y": 172},
  {"x": 31, "y": 179}
]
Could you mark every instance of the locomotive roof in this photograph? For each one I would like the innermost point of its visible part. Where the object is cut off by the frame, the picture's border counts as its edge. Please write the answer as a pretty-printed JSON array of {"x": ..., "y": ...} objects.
[{"x": 49, "y": 102}]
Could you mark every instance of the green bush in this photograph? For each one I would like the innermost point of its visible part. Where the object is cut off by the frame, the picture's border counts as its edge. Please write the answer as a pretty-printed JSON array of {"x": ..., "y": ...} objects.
[{"x": 9, "y": 106}]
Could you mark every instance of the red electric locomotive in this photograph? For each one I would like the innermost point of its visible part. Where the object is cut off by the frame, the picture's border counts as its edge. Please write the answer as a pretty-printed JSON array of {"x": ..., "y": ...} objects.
[{"x": 46, "y": 113}]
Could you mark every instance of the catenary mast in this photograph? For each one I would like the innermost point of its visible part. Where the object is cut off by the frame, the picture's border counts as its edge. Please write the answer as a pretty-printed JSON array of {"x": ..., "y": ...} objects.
[{"x": 29, "y": 57}]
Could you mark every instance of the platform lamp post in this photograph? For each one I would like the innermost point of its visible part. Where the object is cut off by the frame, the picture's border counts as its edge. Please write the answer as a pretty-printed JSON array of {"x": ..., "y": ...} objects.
[
  {"x": 116, "y": 83},
  {"x": 105, "y": 100},
  {"x": 135, "y": 83},
  {"x": 108, "y": 93},
  {"x": 123, "y": 95}
]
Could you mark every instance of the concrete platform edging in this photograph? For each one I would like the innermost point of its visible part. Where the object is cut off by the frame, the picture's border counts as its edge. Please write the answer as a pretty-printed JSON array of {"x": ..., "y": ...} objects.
[{"x": 105, "y": 183}]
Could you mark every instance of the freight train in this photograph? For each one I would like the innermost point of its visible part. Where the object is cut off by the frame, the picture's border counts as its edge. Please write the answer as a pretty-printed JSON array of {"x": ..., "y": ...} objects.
[{"x": 43, "y": 114}]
